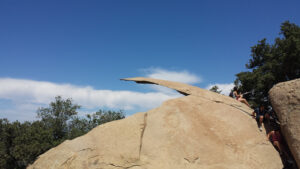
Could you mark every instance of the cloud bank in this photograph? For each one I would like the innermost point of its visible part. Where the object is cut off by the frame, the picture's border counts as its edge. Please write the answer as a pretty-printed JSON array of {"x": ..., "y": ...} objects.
[
  {"x": 176, "y": 76},
  {"x": 20, "y": 98},
  {"x": 27, "y": 95}
]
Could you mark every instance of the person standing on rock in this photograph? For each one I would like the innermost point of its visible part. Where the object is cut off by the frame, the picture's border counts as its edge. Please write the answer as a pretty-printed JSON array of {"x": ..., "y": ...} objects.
[
  {"x": 259, "y": 114},
  {"x": 239, "y": 97},
  {"x": 276, "y": 139}
]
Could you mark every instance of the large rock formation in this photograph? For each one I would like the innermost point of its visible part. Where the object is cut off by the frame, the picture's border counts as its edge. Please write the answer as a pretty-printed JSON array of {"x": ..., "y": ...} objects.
[
  {"x": 202, "y": 130},
  {"x": 285, "y": 99}
]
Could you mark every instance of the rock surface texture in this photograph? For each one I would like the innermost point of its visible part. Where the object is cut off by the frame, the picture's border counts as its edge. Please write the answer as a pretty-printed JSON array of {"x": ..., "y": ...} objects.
[
  {"x": 285, "y": 99},
  {"x": 201, "y": 130}
]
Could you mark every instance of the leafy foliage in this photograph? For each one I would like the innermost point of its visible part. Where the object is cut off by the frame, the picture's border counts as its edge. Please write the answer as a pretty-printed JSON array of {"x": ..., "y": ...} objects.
[
  {"x": 215, "y": 88},
  {"x": 56, "y": 117},
  {"x": 79, "y": 126},
  {"x": 22, "y": 143},
  {"x": 272, "y": 63}
]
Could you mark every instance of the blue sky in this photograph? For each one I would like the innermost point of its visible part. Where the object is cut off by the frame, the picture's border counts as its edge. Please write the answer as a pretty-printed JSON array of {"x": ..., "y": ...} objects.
[{"x": 85, "y": 47}]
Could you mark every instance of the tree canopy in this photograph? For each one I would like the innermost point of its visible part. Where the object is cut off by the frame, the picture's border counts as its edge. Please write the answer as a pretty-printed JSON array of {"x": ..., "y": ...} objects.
[
  {"x": 22, "y": 143},
  {"x": 271, "y": 63},
  {"x": 215, "y": 88}
]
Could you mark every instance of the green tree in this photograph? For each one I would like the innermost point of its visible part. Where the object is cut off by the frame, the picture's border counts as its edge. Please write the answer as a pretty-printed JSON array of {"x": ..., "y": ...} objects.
[
  {"x": 22, "y": 143},
  {"x": 6, "y": 142},
  {"x": 32, "y": 139},
  {"x": 79, "y": 126},
  {"x": 272, "y": 63},
  {"x": 215, "y": 88},
  {"x": 56, "y": 117},
  {"x": 102, "y": 116}
]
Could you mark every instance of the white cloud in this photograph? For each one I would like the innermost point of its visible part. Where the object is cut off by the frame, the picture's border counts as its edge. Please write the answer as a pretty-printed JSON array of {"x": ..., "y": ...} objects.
[
  {"x": 28, "y": 95},
  {"x": 177, "y": 76},
  {"x": 226, "y": 88}
]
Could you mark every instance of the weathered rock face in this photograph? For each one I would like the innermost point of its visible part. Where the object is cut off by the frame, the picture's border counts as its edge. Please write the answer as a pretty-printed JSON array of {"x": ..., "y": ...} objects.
[
  {"x": 285, "y": 99},
  {"x": 203, "y": 130}
]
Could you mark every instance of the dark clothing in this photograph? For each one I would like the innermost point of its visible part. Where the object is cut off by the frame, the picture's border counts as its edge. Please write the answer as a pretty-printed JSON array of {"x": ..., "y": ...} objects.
[
  {"x": 276, "y": 137},
  {"x": 259, "y": 112}
]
